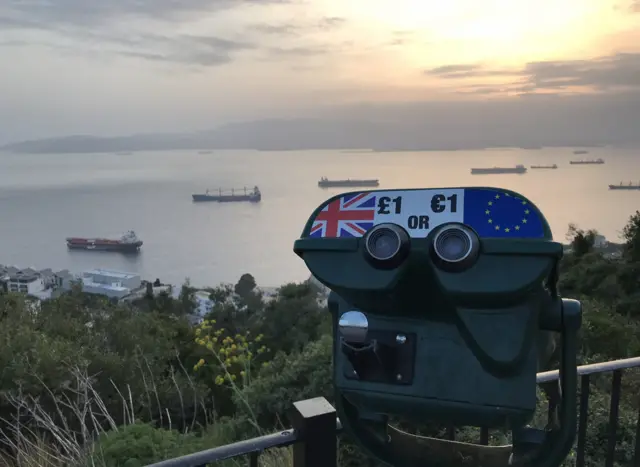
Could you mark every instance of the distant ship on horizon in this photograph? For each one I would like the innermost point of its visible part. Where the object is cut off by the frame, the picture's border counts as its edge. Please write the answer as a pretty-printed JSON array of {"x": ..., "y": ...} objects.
[
  {"x": 230, "y": 196},
  {"x": 326, "y": 183},
  {"x": 580, "y": 151},
  {"x": 554, "y": 166},
  {"x": 587, "y": 162},
  {"x": 518, "y": 169},
  {"x": 629, "y": 186}
]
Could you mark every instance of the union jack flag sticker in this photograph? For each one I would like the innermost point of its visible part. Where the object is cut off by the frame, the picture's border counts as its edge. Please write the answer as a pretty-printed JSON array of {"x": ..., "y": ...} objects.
[{"x": 349, "y": 216}]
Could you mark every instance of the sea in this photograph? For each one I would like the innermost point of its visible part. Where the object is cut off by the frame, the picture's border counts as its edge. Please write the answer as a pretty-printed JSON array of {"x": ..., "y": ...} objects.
[{"x": 47, "y": 197}]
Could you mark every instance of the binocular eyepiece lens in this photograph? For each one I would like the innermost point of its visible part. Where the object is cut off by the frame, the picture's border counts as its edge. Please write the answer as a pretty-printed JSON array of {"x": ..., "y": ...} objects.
[
  {"x": 456, "y": 244},
  {"x": 387, "y": 244},
  {"x": 383, "y": 244}
]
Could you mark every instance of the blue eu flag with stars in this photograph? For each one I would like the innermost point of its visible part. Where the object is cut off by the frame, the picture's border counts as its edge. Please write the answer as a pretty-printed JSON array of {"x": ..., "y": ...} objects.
[{"x": 495, "y": 213}]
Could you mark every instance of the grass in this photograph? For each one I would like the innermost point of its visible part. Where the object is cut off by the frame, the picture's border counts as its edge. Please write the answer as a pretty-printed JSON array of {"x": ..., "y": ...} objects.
[{"x": 80, "y": 431}]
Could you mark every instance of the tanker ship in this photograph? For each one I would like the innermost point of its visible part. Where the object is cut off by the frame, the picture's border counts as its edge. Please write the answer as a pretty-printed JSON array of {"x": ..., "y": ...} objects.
[
  {"x": 554, "y": 166},
  {"x": 230, "y": 196},
  {"x": 518, "y": 169},
  {"x": 326, "y": 183},
  {"x": 129, "y": 242},
  {"x": 587, "y": 161},
  {"x": 629, "y": 186}
]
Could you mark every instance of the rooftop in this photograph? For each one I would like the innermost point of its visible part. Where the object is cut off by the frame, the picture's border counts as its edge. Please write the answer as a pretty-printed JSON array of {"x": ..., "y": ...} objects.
[
  {"x": 118, "y": 288},
  {"x": 112, "y": 273}
]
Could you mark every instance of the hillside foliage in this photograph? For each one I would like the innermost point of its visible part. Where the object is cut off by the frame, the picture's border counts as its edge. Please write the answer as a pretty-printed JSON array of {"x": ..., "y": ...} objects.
[{"x": 86, "y": 381}]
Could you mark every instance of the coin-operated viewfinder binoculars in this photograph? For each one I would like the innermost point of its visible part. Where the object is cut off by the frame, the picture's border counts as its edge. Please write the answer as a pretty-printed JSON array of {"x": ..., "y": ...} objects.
[{"x": 445, "y": 307}]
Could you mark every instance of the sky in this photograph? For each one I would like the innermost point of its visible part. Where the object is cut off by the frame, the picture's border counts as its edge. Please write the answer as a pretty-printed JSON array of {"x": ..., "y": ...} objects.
[{"x": 111, "y": 67}]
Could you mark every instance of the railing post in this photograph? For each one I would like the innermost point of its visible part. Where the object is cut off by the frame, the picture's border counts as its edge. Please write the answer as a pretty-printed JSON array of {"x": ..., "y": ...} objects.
[{"x": 314, "y": 420}]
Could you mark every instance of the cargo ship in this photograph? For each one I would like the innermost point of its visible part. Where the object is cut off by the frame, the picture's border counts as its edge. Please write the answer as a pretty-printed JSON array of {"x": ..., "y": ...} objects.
[
  {"x": 326, "y": 183},
  {"x": 587, "y": 161},
  {"x": 230, "y": 196},
  {"x": 554, "y": 166},
  {"x": 629, "y": 186},
  {"x": 580, "y": 151},
  {"x": 518, "y": 169},
  {"x": 129, "y": 242}
]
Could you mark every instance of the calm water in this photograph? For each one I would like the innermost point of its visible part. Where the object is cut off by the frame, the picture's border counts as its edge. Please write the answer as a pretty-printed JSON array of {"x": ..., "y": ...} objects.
[{"x": 45, "y": 198}]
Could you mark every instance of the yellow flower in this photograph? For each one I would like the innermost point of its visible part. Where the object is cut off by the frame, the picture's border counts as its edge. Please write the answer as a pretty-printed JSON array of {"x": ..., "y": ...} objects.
[
  {"x": 219, "y": 380},
  {"x": 201, "y": 362},
  {"x": 265, "y": 364},
  {"x": 243, "y": 373},
  {"x": 233, "y": 347},
  {"x": 233, "y": 377},
  {"x": 260, "y": 337}
]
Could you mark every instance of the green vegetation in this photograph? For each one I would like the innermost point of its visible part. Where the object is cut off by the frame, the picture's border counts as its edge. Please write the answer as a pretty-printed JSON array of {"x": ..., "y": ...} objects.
[{"x": 86, "y": 381}]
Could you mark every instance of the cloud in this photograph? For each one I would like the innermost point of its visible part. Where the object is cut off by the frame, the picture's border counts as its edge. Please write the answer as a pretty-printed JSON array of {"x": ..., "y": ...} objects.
[
  {"x": 83, "y": 26},
  {"x": 331, "y": 22},
  {"x": 46, "y": 14},
  {"x": 184, "y": 49},
  {"x": 310, "y": 51},
  {"x": 616, "y": 72},
  {"x": 466, "y": 71},
  {"x": 621, "y": 70},
  {"x": 327, "y": 23}
]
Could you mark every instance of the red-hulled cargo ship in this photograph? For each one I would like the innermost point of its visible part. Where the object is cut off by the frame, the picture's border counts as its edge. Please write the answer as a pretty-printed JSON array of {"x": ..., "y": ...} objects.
[{"x": 128, "y": 242}]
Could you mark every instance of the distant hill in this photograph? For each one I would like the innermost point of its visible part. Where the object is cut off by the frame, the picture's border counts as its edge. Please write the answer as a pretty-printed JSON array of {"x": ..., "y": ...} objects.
[{"x": 420, "y": 132}]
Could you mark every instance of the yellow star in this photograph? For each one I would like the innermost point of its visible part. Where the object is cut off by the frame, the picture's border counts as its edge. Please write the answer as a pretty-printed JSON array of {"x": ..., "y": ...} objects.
[
  {"x": 517, "y": 227},
  {"x": 524, "y": 221},
  {"x": 497, "y": 196},
  {"x": 526, "y": 211},
  {"x": 507, "y": 194},
  {"x": 507, "y": 230},
  {"x": 524, "y": 202},
  {"x": 497, "y": 227},
  {"x": 487, "y": 212},
  {"x": 490, "y": 203},
  {"x": 490, "y": 221}
]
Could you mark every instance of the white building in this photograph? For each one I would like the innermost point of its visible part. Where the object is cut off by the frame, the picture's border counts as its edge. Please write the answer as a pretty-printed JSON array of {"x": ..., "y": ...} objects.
[
  {"x": 107, "y": 276},
  {"x": 63, "y": 279},
  {"x": 599, "y": 241},
  {"x": 203, "y": 303},
  {"x": 111, "y": 283},
  {"x": 26, "y": 281}
]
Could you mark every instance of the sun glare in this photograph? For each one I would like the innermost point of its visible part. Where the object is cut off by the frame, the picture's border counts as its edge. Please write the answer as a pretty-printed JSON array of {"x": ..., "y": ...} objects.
[{"x": 505, "y": 31}]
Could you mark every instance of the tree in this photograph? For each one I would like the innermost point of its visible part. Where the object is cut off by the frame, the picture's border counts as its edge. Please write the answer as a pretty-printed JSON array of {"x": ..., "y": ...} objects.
[
  {"x": 187, "y": 298},
  {"x": 631, "y": 236},
  {"x": 245, "y": 285},
  {"x": 581, "y": 242},
  {"x": 149, "y": 291}
]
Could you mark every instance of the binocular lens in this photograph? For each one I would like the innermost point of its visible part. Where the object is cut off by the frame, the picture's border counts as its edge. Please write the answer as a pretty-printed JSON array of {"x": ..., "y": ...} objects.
[
  {"x": 453, "y": 244},
  {"x": 383, "y": 244}
]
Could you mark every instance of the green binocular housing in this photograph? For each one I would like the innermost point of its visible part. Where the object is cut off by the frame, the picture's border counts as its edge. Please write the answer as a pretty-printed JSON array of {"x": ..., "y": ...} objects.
[{"x": 445, "y": 306}]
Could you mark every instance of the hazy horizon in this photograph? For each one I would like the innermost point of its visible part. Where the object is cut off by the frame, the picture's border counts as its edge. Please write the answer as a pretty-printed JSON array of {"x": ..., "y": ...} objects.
[{"x": 122, "y": 67}]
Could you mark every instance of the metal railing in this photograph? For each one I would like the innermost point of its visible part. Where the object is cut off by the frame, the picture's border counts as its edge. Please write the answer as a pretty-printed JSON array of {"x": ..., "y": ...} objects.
[{"x": 315, "y": 426}]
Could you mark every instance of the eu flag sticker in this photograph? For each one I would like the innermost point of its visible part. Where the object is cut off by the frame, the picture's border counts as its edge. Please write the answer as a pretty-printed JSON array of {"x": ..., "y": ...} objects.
[{"x": 497, "y": 214}]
